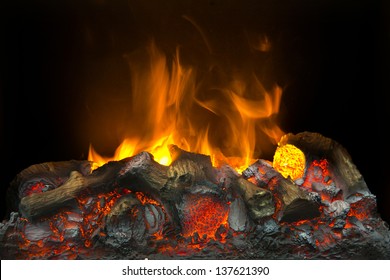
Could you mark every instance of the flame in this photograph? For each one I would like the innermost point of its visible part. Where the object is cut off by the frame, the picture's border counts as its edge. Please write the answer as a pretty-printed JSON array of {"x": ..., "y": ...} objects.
[{"x": 170, "y": 105}]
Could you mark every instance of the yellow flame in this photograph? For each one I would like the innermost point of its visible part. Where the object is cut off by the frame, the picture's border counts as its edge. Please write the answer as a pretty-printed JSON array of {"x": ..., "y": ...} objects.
[{"x": 169, "y": 106}]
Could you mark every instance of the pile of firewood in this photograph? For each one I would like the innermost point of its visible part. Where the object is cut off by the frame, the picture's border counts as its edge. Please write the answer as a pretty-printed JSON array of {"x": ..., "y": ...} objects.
[{"x": 137, "y": 208}]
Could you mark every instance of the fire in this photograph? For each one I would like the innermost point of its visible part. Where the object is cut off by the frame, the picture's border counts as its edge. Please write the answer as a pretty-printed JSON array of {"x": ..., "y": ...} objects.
[
  {"x": 128, "y": 148},
  {"x": 171, "y": 105}
]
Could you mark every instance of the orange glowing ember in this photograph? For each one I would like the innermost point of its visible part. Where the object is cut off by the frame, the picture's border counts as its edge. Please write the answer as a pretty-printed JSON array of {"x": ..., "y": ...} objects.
[
  {"x": 318, "y": 171},
  {"x": 289, "y": 161},
  {"x": 146, "y": 200},
  {"x": 171, "y": 105},
  {"x": 203, "y": 215}
]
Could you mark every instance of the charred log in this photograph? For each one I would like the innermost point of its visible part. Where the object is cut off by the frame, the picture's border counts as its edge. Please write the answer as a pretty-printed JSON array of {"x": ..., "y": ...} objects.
[
  {"x": 39, "y": 204},
  {"x": 142, "y": 173},
  {"x": 139, "y": 173},
  {"x": 261, "y": 171},
  {"x": 185, "y": 173},
  {"x": 259, "y": 201},
  {"x": 197, "y": 165},
  {"x": 43, "y": 177},
  {"x": 294, "y": 204},
  {"x": 131, "y": 223},
  {"x": 238, "y": 218},
  {"x": 345, "y": 174}
]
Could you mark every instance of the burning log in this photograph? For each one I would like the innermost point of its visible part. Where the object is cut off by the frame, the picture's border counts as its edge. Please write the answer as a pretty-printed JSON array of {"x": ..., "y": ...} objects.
[
  {"x": 260, "y": 172},
  {"x": 139, "y": 173},
  {"x": 343, "y": 171},
  {"x": 41, "y": 204},
  {"x": 238, "y": 218},
  {"x": 130, "y": 222},
  {"x": 188, "y": 168},
  {"x": 38, "y": 204},
  {"x": 142, "y": 173},
  {"x": 184, "y": 173},
  {"x": 43, "y": 177},
  {"x": 294, "y": 204},
  {"x": 199, "y": 204},
  {"x": 259, "y": 201}
]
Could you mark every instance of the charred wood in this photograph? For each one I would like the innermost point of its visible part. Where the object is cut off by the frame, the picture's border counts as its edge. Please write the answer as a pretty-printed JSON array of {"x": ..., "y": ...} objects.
[
  {"x": 345, "y": 174},
  {"x": 293, "y": 203},
  {"x": 50, "y": 174},
  {"x": 259, "y": 201},
  {"x": 184, "y": 162},
  {"x": 138, "y": 173}
]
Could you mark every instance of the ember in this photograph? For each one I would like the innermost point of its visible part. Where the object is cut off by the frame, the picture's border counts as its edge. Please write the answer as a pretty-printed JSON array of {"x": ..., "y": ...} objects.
[
  {"x": 136, "y": 208},
  {"x": 203, "y": 215}
]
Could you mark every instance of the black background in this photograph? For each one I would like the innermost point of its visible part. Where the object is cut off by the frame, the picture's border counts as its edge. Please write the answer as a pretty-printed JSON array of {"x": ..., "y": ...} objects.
[{"x": 62, "y": 62}]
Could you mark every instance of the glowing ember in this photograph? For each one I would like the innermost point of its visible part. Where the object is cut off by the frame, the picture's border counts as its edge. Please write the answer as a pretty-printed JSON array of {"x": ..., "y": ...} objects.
[
  {"x": 318, "y": 172},
  {"x": 289, "y": 161},
  {"x": 146, "y": 200},
  {"x": 73, "y": 230},
  {"x": 204, "y": 215},
  {"x": 36, "y": 188}
]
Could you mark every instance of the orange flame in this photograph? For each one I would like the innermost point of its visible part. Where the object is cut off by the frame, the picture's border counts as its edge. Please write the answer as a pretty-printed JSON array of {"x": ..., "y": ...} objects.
[{"x": 169, "y": 106}]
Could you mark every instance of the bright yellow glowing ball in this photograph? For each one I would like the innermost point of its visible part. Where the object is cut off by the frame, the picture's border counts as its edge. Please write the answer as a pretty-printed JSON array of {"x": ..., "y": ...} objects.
[{"x": 289, "y": 161}]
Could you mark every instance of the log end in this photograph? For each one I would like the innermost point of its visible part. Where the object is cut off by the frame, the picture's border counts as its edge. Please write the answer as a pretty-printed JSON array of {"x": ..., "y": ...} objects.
[{"x": 300, "y": 209}]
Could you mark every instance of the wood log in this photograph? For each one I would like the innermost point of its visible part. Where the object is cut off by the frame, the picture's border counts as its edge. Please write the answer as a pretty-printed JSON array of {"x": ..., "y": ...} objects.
[
  {"x": 261, "y": 171},
  {"x": 238, "y": 218},
  {"x": 42, "y": 204},
  {"x": 293, "y": 203},
  {"x": 138, "y": 173},
  {"x": 53, "y": 171},
  {"x": 51, "y": 174},
  {"x": 198, "y": 165},
  {"x": 258, "y": 200},
  {"x": 185, "y": 173},
  {"x": 345, "y": 174},
  {"x": 126, "y": 222},
  {"x": 143, "y": 173}
]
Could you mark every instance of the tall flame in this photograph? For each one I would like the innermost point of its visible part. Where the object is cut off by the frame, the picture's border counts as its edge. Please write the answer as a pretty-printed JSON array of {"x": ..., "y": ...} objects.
[{"x": 170, "y": 106}]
